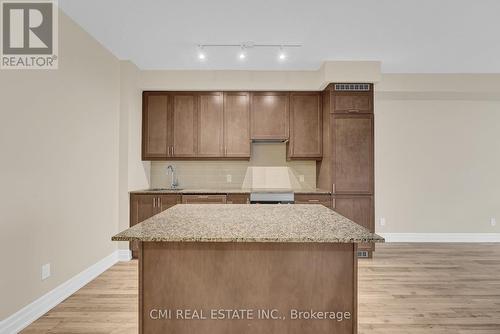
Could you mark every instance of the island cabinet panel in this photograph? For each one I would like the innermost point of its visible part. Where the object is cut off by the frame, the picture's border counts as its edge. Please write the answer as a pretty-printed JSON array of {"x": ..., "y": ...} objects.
[
  {"x": 359, "y": 209},
  {"x": 155, "y": 126},
  {"x": 144, "y": 206},
  {"x": 352, "y": 156},
  {"x": 203, "y": 199},
  {"x": 238, "y": 199},
  {"x": 185, "y": 131},
  {"x": 269, "y": 115},
  {"x": 210, "y": 125},
  {"x": 237, "y": 124},
  {"x": 305, "y": 126},
  {"x": 323, "y": 199},
  {"x": 206, "y": 276}
]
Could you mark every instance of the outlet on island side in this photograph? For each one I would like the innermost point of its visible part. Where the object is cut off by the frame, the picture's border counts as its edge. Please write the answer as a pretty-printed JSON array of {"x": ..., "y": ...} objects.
[
  {"x": 301, "y": 178},
  {"x": 382, "y": 221},
  {"x": 45, "y": 271},
  {"x": 229, "y": 178},
  {"x": 493, "y": 222}
]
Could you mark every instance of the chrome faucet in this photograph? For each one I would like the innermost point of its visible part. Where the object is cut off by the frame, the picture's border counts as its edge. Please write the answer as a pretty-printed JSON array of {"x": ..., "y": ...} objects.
[{"x": 173, "y": 181}]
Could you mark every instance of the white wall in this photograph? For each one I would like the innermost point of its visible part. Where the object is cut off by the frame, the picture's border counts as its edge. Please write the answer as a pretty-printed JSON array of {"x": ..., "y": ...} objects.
[
  {"x": 59, "y": 133},
  {"x": 437, "y": 153}
]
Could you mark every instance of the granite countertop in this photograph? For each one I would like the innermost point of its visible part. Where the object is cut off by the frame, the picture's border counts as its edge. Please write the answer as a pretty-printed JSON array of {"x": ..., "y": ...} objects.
[
  {"x": 248, "y": 223},
  {"x": 226, "y": 191}
]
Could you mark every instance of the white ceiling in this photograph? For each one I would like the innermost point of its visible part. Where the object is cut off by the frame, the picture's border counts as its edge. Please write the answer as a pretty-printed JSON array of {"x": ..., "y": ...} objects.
[{"x": 408, "y": 36}]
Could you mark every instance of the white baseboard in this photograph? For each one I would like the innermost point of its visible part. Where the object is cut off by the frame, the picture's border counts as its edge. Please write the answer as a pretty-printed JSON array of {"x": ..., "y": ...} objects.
[
  {"x": 441, "y": 237},
  {"x": 22, "y": 318},
  {"x": 124, "y": 255}
]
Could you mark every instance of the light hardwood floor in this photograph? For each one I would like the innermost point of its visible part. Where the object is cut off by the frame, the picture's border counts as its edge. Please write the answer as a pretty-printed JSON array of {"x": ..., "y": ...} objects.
[{"x": 405, "y": 288}]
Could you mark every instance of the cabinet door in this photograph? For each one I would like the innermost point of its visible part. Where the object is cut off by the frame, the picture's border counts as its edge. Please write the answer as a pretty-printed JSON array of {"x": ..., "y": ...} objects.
[
  {"x": 237, "y": 124},
  {"x": 167, "y": 201},
  {"x": 353, "y": 102},
  {"x": 204, "y": 199},
  {"x": 305, "y": 126},
  {"x": 210, "y": 125},
  {"x": 269, "y": 115},
  {"x": 323, "y": 199},
  {"x": 360, "y": 210},
  {"x": 142, "y": 207},
  {"x": 184, "y": 133},
  {"x": 155, "y": 126},
  {"x": 352, "y": 156}
]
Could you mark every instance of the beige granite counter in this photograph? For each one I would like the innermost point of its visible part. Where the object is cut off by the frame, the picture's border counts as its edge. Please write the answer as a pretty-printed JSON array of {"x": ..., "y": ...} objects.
[
  {"x": 248, "y": 223},
  {"x": 226, "y": 191}
]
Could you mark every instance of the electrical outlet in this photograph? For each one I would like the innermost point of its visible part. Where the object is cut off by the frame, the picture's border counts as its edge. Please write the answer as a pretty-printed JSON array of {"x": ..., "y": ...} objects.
[
  {"x": 493, "y": 222},
  {"x": 301, "y": 178},
  {"x": 229, "y": 178},
  {"x": 45, "y": 271},
  {"x": 382, "y": 221}
]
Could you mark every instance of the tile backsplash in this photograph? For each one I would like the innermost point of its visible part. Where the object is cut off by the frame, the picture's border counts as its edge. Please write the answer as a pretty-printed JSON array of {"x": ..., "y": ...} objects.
[{"x": 267, "y": 168}]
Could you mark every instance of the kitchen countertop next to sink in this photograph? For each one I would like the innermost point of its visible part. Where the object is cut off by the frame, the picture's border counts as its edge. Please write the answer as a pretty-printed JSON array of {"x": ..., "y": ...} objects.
[
  {"x": 227, "y": 191},
  {"x": 300, "y": 223}
]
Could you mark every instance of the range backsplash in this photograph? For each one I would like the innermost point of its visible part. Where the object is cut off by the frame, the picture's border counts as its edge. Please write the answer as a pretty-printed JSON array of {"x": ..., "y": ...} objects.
[{"x": 267, "y": 168}]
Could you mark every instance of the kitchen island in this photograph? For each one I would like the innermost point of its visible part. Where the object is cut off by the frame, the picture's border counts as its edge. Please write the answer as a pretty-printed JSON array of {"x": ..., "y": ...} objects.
[{"x": 247, "y": 269}]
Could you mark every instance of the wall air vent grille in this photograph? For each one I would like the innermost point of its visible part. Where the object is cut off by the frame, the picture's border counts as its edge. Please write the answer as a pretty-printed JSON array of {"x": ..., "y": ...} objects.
[
  {"x": 352, "y": 87},
  {"x": 363, "y": 254}
]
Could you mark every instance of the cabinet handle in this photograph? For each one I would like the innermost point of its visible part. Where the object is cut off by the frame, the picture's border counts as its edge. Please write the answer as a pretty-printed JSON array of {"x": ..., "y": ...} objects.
[
  {"x": 154, "y": 202},
  {"x": 353, "y": 110},
  {"x": 159, "y": 202},
  {"x": 203, "y": 196},
  {"x": 313, "y": 200},
  {"x": 333, "y": 203},
  {"x": 333, "y": 188},
  {"x": 172, "y": 151}
]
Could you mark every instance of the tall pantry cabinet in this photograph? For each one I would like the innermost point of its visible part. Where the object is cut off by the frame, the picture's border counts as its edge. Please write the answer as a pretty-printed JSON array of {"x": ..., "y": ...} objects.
[{"x": 347, "y": 168}]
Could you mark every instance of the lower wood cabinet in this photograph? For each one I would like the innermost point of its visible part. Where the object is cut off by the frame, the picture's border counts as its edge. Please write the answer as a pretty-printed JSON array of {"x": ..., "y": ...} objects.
[
  {"x": 324, "y": 199},
  {"x": 144, "y": 206},
  {"x": 359, "y": 209},
  {"x": 203, "y": 199}
]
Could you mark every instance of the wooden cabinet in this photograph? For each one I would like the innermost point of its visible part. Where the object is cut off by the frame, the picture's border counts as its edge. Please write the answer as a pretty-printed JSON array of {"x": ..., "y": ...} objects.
[
  {"x": 353, "y": 102},
  {"x": 238, "y": 199},
  {"x": 323, "y": 199},
  {"x": 144, "y": 206},
  {"x": 155, "y": 125},
  {"x": 237, "y": 124},
  {"x": 184, "y": 129},
  {"x": 269, "y": 115},
  {"x": 347, "y": 167},
  {"x": 210, "y": 125},
  {"x": 352, "y": 155},
  {"x": 203, "y": 199},
  {"x": 305, "y": 126},
  {"x": 359, "y": 209}
]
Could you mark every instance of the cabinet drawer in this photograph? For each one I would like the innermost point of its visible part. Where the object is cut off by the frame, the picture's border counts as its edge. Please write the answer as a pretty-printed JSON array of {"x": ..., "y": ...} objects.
[
  {"x": 323, "y": 199},
  {"x": 238, "y": 199},
  {"x": 204, "y": 199}
]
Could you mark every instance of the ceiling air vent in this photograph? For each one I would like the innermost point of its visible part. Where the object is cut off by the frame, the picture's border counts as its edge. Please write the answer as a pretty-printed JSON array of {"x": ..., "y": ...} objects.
[{"x": 352, "y": 87}]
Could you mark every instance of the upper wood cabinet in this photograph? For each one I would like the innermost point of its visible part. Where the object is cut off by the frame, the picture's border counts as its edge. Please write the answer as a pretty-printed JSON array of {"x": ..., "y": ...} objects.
[
  {"x": 210, "y": 125},
  {"x": 184, "y": 127},
  {"x": 237, "y": 124},
  {"x": 269, "y": 115},
  {"x": 305, "y": 126},
  {"x": 155, "y": 125},
  {"x": 353, "y": 102},
  {"x": 352, "y": 155}
]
